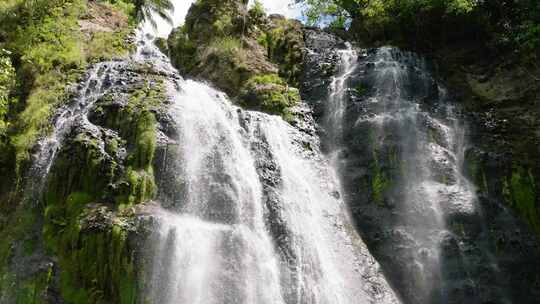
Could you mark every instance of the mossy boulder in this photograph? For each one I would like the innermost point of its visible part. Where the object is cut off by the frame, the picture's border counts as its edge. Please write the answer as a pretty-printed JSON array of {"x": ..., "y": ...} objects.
[
  {"x": 210, "y": 18},
  {"x": 235, "y": 48},
  {"x": 269, "y": 93},
  {"x": 284, "y": 41}
]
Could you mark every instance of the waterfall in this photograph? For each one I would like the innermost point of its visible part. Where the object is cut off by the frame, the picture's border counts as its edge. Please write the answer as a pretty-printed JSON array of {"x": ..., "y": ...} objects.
[
  {"x": 249, "y": 211},
  {"x": 336, "y": 104},
  {"x": 98, "y": 79},
  {"x": 398, "y": 144},
  {"x": 212, "y": 244},
  {"x": 252, "y": 215}
]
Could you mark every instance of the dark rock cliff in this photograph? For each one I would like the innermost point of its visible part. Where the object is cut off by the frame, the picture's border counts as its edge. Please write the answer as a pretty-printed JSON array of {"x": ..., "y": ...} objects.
[{"x": 489, "y": 255}]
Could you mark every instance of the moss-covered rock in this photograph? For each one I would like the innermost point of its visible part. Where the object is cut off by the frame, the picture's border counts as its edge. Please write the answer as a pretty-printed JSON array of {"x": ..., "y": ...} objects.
[
  {"x": 269, "y": 93},
  {"x": 502, "y": 178},
  {"x": 499, "y": 97},
  {"x": 236, "y": 48},
  {"x": 284, "y": 41},
  {"x": 81, "y": 241}
]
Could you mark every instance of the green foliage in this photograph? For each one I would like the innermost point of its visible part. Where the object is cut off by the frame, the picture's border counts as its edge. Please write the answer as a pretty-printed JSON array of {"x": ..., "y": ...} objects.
[
  {"x": 45, "y": 46},
  {"x": 507, "y": 24},
  {"x": 257, "y": 12},
  {"x": 7, "y": 83},
  {"x": 225, "y": 47},
  {"x": 223, "y": 25},
  {"x": 183, "y": 50},
  {"x": 218, "y": 42},
  {"x": 266, "y": 79},
  {"x": 104, "y": 46},
  {"x": 125, "y": 6},
  {"x": 145, "y": 9},
  {"x": 45, "y": 34},
  {"x": 48, "y": 51},
  {"x": 317, "y": 11},
  {"x": 270, "y": 93},
  {"x": 284, "y": 44}
]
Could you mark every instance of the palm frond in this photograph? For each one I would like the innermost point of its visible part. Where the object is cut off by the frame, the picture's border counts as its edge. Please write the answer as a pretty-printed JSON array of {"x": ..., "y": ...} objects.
[{"x": 146, "y": 9}]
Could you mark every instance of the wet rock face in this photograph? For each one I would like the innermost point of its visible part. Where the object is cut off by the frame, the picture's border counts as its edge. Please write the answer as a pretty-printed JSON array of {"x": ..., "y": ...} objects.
[
  {"x": 320, "y": 65},
  {"x": 89, "y": 180},
  {"x": 500, "y": 100},
  {"x": 438, "y": 238}
]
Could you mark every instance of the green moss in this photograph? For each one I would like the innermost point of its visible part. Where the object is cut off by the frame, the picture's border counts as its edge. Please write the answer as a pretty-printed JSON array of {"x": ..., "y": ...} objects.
[
  {"x": 524, "y": 196},
  {"x": 19, "y": 230},
  {"x": 140, "y": 174},
  {"x": 145, "y": 140},
  {"x": 142, "y": 186},
  {"x": 96, "y": 266},
  {"x": 284, "y": 43},
  {"x": 32, "y": 290},
  {"x": 361, "y": 90},
  {"x": 138, "y": 124},
  {"x": 379, "y": 185},
  {"x": 270, "y": 93},
  {"x": 183, "y": 50},
  {"x": 104, "y": 46}
]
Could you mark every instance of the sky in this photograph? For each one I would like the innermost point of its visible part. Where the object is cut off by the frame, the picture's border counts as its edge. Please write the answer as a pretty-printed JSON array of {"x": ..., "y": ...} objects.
[{"x": 282, "y": 7}]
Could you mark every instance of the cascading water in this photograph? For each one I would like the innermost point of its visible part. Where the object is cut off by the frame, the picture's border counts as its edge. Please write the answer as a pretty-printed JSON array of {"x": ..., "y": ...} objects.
[
  {"x": 99, "y": 78},
  {"x": 336, "y": 105},
  {"x": 212, "y": 245},
  {"x": 398, "y": 145},
  {"x": 416, "y": 150},
  {"x": 250, "y": 212},
  {"x": 251, "y": 217}
]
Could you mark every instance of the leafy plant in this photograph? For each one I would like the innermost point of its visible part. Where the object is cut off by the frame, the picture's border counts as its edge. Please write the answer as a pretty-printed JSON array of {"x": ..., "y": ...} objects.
[
  {"x": 7, "y": 82},
  {"x": 144, "y": 9}
]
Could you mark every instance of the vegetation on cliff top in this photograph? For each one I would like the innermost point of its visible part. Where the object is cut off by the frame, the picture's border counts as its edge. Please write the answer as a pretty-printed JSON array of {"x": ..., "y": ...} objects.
[
  {"x": 252, "y": 57},
  {"x": 507, "y": 25}
]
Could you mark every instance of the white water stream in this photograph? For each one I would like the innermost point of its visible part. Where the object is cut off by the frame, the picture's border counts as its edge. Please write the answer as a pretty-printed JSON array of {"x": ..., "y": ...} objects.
[
  {"x": 214, "y": 244},
  {"x": 257, "y": 217}
]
